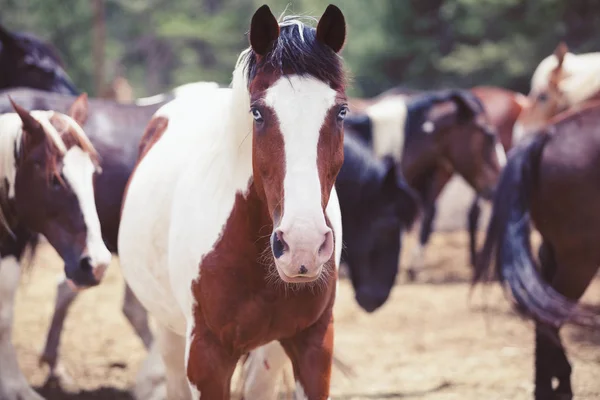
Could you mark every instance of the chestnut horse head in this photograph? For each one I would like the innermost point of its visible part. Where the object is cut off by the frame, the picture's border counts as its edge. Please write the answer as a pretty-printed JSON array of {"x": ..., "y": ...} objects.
[
  {"x": 560, "y": 81},
  {"x": 296, "y": 84},
  {"x": 47, "y": 166},
  {"x": 26, "y": 61}
]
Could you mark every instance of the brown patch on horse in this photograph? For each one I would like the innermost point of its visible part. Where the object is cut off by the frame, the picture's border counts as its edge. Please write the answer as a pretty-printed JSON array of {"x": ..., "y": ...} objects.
[
  {"x": 241, "y": 304},
  {"x": 330, "y": 147},
  {"x": 154, "y": 131},
  {"x": 503, "y": 108}
]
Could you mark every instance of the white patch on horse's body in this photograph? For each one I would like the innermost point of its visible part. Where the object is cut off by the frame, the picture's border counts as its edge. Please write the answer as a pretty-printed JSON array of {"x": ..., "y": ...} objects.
[
  {"x": 78, "y": 170},
  {"x": 188, "y": 89},
  {"x": 13, "y": 384},
  {"x": 388, "y": 118}
]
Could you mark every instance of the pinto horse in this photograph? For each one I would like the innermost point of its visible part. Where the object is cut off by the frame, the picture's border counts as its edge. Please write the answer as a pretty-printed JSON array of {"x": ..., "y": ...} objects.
[
  {"x": 231, "y": 229},
  {"x": 115, "y": 131},
  {"x": 545, "y": 181},
  {"x": 47, "y": 166},
  {"x": 26, "y": 61},
  {"x": 426, "y": 135},
  {"x": 561, "y": 81}
]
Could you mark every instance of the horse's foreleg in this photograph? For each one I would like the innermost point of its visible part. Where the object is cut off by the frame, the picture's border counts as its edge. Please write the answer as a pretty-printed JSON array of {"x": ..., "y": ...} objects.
[
  {"x": 263, "y": 372},
  {"x": 137, "y": 316},
  {"x": 13, "y": 385},
  {"x": 430, "y": 191},
  {"x": 311, "y": 352},
  {"x": 210, "y": 365},
  {"x": 473, "y": 225},
  {"x": 64, "y": 298}
]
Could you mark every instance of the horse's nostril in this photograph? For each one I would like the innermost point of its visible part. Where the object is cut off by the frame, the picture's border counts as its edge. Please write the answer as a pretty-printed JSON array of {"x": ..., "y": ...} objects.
[
  {"x": 302, "y": 270},
  {"x": 85, "y": 264},
  {"x": 278, "y": 244},
  {"x": 327, "y": 246}
]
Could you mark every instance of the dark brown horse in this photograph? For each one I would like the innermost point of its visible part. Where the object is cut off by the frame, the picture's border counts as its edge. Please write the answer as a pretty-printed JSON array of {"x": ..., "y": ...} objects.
[
  {"x": 47, "y": 168},
  {"x": 391, "y": 129},
  {"x": 552, "y": 179}
]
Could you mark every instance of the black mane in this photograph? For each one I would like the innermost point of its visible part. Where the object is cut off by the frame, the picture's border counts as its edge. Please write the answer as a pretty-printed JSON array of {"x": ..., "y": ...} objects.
[
  {"x": 301, "y": 54},
  {"x": 37, "y": 46}
]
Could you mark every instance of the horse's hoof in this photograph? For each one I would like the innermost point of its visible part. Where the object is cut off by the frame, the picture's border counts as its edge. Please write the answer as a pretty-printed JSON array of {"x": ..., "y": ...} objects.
[{"x": 60, "y": 378}]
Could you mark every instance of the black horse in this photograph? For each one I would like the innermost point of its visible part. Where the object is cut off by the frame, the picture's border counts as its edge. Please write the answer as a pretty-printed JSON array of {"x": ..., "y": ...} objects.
[
  {"x": 377, "y": 205},
  {"x": 26, "y": 61}
]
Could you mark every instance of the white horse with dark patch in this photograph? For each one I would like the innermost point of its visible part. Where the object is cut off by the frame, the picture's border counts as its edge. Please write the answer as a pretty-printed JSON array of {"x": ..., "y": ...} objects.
[
  {"x": 47, "y": 166},
  {"x": 231, "y": 228}
]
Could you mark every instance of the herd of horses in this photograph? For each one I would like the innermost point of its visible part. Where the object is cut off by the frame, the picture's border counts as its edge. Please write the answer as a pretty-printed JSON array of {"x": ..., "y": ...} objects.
[{"x": 226, "y": 205}]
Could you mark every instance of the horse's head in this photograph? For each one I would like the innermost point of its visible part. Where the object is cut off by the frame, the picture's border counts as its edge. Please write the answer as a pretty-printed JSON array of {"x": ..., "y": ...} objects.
[
  {"x": 26, "y": 61},
  {"x": 376, "y": 206},
  {"x": 49, "y": 167},
  {"x": 546, "y": 98},
  {"x": 453, "y": 126},
  {"x": 297, "y": 99}
]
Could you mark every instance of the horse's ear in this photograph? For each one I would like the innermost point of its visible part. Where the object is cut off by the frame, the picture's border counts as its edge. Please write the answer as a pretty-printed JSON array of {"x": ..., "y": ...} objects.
[
  {"x": 360, "y": 125},
  {"x": 31, "y": 127},
  {"x": 560, "y": 52},
  {"x": 331, "y": 29},
  {"x": 264, "y": 30},
  {"x": 79, "y": 109}
]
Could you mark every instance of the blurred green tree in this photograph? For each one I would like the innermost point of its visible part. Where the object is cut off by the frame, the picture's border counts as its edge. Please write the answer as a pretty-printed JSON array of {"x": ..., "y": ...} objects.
[{"x": 421, "y": 44}]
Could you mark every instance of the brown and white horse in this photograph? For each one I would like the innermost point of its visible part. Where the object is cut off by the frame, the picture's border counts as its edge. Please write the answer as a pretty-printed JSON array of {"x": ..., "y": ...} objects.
[
  {"x": 560, "y": 82},
  {"x": 47, "y": 166},
  {"x": 231, "y": 228}
]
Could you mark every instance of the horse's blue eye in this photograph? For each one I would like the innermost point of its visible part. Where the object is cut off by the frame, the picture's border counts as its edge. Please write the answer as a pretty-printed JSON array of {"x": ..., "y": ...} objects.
[
  {"x": 256, "y": 115},
  {"x": 342, "y": 114}
]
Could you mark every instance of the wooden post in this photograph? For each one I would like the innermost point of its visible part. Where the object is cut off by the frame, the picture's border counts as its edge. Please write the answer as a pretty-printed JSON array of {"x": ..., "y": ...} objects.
[{"x": 99, "y": 37}]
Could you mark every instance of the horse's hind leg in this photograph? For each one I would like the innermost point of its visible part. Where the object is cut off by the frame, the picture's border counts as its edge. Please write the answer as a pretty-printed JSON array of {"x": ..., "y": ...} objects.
[
  {"x": 13, "y": 385},
  {"x": 472, "y": 224},
  {"x": 64, "y": 298},
  {"x": 137, "y": 316},
  {"x": 550, "y": 358}
]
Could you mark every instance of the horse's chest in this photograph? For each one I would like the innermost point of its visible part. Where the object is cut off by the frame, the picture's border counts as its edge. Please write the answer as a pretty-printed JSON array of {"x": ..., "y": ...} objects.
[{"x": 245, "y": 308}]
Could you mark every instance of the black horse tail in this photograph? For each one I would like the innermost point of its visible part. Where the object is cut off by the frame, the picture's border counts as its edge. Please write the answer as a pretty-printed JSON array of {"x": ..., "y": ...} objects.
[{"x": 508, "y": 235}]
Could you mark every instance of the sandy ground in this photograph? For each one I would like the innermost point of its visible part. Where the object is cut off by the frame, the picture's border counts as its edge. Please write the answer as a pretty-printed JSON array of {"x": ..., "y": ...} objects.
[{"x": 428, "y": 342}]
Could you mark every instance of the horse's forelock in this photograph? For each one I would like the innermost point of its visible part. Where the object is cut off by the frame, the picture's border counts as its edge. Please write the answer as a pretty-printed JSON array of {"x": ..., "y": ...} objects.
[{"x": 297, "y": 51}]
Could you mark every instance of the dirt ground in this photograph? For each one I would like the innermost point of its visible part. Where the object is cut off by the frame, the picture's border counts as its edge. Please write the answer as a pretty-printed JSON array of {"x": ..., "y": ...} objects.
[{"x": 428, "y": 342}]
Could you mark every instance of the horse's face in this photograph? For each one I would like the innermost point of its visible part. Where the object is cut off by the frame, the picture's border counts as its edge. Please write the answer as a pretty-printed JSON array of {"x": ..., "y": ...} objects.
[
  {"x": 54, "y": 193},
  {"x": 372, "y": 237},
  {"x": 465, "y": 138},
  {"x": 545, "y": 100},
  {"x": 28, "y": 62},
  {"x": 297, "y": 145}
]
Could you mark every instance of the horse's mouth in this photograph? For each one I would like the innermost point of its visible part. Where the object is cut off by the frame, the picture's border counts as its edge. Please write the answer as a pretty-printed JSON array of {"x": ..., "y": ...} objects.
[{"x": 298, "y": 278}]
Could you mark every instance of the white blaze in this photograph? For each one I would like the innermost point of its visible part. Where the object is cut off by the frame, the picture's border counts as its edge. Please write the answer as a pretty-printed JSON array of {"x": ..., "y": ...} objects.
[
  {"x": 301, "y": 105},
  {"x": 78, "y": 171}
]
